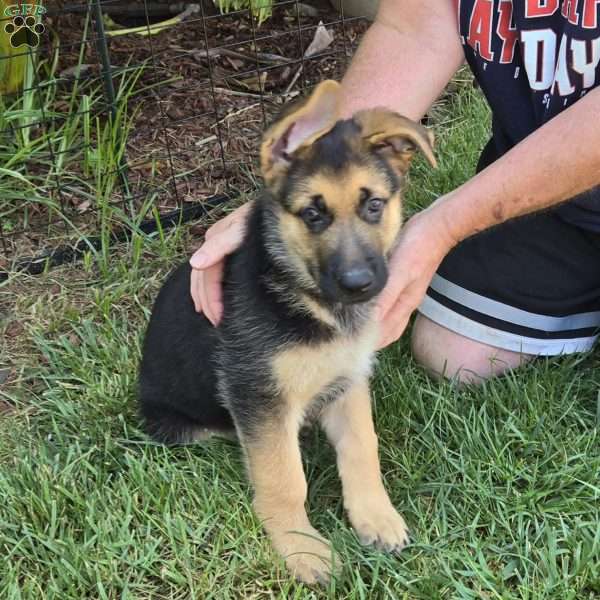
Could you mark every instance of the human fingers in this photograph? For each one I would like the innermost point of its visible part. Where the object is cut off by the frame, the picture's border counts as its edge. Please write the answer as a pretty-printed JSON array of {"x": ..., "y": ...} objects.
[
  {"x": 394, "y": 323},
  {"x": 223, "y": 238},
  {"x": 211, "y": 293},
  {"x": 195, "y": 289}
]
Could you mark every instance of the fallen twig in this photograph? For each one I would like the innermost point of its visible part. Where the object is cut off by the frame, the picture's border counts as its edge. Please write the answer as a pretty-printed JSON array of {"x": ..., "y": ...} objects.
[
  {"x": 206, "y": 140},
  {"x": 262, "y": 57},
  {"x": 235, "y": 113},
  {"x": 229, "y": 92}
]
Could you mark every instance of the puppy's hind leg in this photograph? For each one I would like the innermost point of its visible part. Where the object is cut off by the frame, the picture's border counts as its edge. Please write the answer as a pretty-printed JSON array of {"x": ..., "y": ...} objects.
[
  {"x": 275, "y": 469},
  {"x": 349, "y": 426}
]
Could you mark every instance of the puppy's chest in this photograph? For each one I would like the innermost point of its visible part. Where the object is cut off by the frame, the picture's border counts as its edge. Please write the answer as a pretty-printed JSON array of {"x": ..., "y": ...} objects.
[{"x": 310, "y": 377}]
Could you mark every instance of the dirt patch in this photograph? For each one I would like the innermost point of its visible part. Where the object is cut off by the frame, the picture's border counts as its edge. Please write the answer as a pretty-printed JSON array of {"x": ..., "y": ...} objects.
[{"x": 6, "y": 408}]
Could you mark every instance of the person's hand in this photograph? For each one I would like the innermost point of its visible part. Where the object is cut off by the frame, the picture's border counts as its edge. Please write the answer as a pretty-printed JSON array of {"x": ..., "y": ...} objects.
[
  {"x": 223, "y": 238},
  {"x": 424, "y": 242}
]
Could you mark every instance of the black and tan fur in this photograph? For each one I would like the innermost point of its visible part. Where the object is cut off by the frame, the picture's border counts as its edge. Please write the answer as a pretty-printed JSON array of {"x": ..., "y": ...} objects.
[{"x": 297, "y": 339}]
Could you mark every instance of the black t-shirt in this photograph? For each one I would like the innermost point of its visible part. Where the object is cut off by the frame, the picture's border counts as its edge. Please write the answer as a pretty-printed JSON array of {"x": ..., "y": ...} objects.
[{"x": 533, "y": 59}]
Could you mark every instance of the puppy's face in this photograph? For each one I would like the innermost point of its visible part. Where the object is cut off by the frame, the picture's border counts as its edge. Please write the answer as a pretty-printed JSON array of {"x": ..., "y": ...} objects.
[{"x": 338, "y": 193}]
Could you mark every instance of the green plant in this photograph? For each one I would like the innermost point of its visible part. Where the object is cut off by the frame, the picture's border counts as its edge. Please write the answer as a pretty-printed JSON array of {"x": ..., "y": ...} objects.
[
  {"x": 13, "y": 61},
  {"x": 261, "y": 9},
  {"x": 61, "y": 150}
]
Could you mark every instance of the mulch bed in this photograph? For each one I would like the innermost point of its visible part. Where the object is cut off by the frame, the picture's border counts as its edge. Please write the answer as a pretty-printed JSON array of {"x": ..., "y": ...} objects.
[{"x": 208, "y": 87}]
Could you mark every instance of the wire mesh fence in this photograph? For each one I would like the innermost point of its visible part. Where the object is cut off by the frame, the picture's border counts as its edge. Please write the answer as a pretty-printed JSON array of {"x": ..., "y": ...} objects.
[{"x": 120, "y": 115}]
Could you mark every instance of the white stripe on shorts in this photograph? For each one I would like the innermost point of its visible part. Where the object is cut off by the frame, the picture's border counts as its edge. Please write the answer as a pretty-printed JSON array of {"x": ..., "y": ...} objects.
[{"x": 446, "y": 317}]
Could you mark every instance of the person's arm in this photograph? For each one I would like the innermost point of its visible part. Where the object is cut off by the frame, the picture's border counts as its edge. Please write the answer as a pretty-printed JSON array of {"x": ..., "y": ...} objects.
[
  {"x": 558, "y": 161},
  {"x": 405, "y": 60}
]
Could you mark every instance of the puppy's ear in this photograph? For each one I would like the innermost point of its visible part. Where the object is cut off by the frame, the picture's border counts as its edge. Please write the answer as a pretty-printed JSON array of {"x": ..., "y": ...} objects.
[
  {"x": 301, "y": 125},
  {"x": 395, "y": 137}
]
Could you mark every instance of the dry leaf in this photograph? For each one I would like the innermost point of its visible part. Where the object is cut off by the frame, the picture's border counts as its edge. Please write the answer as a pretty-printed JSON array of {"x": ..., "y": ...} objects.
[
  {"x": 235, "y": 63},
  {"x": 255, "y": 83},
  {"x": 85, "y": 205},
  {"x": 76, "y": 71},
  {"x": 74, "y": 339},
  {"x": 14, "y": 329},
  {"x": 321, "y": 40}
]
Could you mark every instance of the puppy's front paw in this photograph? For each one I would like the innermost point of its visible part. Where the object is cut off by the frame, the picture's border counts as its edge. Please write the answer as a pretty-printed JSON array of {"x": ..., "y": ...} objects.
[
  {"x": 308, "y": 556},
  {"x": 377, "y": 523}
]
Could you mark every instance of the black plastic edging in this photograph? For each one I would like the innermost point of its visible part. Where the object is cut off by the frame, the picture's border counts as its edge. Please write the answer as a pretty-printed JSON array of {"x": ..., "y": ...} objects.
[{"x": 67, "y": 254}]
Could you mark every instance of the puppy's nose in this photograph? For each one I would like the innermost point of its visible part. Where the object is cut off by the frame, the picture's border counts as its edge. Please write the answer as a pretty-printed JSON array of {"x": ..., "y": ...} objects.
[{"x": 356, "y": 279}]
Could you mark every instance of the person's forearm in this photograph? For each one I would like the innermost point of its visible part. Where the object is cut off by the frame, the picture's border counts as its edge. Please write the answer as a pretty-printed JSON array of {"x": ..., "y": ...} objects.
[
  {"x": 405, "y": 59},
  {"x": 553, "y": 164}
]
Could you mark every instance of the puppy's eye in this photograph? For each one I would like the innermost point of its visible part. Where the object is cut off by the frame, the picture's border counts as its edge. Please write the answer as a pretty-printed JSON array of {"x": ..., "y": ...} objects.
[
  {"x": 375, "y": 206},
  {"x": 371, "y": 207},
  {"x": 316, "y": 218},
  {"x": 311, "y": 215}
]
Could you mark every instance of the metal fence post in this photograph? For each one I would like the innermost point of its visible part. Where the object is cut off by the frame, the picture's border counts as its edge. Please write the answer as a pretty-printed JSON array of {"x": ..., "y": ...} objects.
[{"x": 109, "y": 88}]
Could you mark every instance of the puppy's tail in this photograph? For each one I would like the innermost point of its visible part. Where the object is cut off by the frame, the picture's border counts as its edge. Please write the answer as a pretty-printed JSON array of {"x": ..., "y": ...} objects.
[{"x": 171, "y": 427}]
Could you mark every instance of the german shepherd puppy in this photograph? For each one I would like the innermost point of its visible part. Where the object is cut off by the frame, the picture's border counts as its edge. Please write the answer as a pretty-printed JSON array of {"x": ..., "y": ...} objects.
[{"x": 297, "y": 340}]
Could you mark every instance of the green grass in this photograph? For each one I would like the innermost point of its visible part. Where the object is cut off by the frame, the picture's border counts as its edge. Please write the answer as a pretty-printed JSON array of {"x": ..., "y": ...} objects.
[
  {"x": 59, "y": 153},
  {"x": 499, "y": 484}
]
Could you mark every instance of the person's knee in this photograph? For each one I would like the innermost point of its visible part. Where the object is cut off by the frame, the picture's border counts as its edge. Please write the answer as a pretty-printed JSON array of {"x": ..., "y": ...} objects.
[{"x": 445, "y": 354}]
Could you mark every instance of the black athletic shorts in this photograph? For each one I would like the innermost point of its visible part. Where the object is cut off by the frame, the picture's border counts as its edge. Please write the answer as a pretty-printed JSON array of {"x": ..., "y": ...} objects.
[{"x": 530, "y": 285}]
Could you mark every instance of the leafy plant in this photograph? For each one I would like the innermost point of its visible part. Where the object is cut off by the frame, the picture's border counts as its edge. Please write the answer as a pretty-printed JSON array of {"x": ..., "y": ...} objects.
[
  {"x": 261, "y": 9},
  {"x": 13, "y": 61}
]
